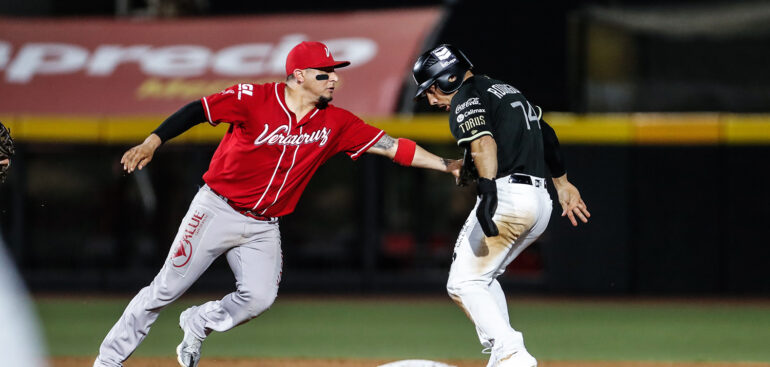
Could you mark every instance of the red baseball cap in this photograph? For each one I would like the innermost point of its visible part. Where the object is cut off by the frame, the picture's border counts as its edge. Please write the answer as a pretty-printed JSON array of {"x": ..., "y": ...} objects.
[{"x": 311, "y": 55}]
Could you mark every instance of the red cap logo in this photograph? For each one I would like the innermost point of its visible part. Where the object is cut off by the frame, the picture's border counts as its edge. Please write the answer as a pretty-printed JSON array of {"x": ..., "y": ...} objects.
[{"x": 311, "y": 55}]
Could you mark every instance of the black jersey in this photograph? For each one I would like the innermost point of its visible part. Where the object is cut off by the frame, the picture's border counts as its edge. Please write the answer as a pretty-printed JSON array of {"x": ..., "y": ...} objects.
[{"x": 485, "y": 106}]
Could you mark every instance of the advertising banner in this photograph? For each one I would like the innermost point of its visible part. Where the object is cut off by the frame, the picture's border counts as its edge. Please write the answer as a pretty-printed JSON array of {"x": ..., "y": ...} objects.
[{"x": 111, "y": 67}]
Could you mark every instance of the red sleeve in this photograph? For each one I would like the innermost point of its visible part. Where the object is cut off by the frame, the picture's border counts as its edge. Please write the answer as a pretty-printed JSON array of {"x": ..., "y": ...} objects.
[
  {"x": 229, "y": 105},
  {"x": 359, "y": 136}
]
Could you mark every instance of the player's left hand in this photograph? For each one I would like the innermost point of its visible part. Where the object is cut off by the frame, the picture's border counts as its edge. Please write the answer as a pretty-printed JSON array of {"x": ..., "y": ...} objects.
[{"x": 571, "y": 202}]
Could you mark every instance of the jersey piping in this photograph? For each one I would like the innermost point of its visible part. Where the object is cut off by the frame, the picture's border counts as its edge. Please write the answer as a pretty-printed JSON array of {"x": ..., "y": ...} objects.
[
  {"x": 368, "y": 145},
  {"x": 311, "y": 116},
  {"x": 474, "y": 137},
  {"x": 286, "y": 176},
  {"x": 208, "y": 113},
  {"x": 269, "y": 184}
]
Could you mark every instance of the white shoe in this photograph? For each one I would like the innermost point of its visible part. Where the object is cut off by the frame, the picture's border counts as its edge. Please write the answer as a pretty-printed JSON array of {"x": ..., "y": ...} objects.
[
  {"x": 492, "y": 359},
  {"x": 519, "y": 358},
  {"x": 188, "y": 352},
  {"x": 98, "y": 363}
]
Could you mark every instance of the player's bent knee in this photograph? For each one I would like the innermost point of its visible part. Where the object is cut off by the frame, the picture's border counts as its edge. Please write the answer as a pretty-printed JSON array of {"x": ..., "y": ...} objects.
[
  {"x": 256, "y": 303},
  {"x": 156, "y": 297},
  {"x": 165, "y": 294},
  {"x": 259, "y": 305},
  {"x": 454, "y": 294},
  {"x": 452, "y": 290},
  {"x": 459, "y": 289},
  {"x": 456, "y": 290}
]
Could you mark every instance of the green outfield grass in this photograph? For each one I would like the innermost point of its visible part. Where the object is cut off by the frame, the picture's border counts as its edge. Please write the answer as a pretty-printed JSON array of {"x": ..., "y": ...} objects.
[{"x": 437, "y": 329}]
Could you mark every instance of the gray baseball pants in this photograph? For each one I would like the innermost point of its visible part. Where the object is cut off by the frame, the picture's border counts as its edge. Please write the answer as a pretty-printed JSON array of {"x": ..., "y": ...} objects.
[{"x": 209, "y": 229}]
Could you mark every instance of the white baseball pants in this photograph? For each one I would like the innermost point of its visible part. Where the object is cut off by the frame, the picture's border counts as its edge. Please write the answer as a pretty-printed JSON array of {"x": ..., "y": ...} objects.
[
  {"x": 523, "y": 212},
  {"x": 209, "y": 229}
]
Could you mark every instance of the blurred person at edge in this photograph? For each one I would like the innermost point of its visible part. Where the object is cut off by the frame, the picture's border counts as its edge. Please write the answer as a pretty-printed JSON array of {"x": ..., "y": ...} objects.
[{"x": 20, "y": 341}]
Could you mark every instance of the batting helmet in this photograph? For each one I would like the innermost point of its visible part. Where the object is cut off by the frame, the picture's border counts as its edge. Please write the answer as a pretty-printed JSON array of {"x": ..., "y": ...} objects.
[{"x": 438, "y": 66}]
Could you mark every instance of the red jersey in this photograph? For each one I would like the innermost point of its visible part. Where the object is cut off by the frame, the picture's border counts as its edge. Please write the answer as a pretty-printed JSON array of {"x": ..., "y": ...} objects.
[{"x": 267, "y": 157}]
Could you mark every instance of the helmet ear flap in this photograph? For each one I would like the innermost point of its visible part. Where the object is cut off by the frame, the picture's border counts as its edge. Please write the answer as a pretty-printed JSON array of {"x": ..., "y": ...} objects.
[{"x": 446, "y": 85}]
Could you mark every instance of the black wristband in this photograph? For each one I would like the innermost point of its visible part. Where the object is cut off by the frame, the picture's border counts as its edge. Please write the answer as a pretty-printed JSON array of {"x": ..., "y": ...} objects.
[
  {"x": 486, "y": 186},
  {"x": 188, "y": 116}
]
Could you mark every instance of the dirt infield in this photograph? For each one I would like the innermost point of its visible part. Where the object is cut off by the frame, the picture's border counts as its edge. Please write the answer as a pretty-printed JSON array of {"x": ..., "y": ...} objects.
[{"x": 252, "y": 362}]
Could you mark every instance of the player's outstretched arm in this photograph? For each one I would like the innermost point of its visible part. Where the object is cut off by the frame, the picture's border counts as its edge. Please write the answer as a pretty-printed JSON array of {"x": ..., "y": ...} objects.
[
  {"x": 182, "y": 120},
  {"x": 426, "y": 159},
  {"x": 570, "y": 200},
  {"x": 554, "y": 157},
  {"x": 407, "y": 153},
  {"x": 569, "y": 196}
]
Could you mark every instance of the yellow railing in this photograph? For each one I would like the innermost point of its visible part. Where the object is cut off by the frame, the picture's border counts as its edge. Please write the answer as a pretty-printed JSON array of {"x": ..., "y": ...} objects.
[{"x": 635, "y": 128}]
